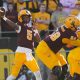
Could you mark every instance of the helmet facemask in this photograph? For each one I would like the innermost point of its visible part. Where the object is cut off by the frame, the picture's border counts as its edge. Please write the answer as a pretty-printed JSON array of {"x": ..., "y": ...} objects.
[
  {"x": 25, "y": 18},
  {"x": 73, "y": 27}
]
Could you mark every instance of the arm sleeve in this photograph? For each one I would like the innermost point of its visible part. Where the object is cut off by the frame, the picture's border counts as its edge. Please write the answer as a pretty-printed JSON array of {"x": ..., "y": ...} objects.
[{"x": 71, "y": 42}]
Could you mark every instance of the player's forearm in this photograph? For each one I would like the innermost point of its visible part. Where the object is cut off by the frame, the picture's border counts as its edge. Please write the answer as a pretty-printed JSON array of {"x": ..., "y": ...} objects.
[
  {"x": 38, "y": 38},
  {"x": 11, "y": 24},
  {"x": 75, "y": 42},
  {"x": 71, "y": 42}
]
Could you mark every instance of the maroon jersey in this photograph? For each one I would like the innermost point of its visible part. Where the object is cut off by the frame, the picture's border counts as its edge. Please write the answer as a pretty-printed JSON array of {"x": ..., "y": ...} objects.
[
  {"x": 25, "y": 37},
  {"x": 54, "y": 41}
]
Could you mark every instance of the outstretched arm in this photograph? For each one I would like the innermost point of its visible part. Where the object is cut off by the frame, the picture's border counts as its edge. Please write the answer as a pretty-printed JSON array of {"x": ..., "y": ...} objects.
[
  {"x": 12, "y": 24},
  {"x": 71, "y": 42}
]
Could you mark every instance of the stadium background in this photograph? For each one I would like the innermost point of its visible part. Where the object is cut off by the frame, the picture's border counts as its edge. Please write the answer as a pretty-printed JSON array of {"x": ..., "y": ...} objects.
[{"x": 8, "y": 43}]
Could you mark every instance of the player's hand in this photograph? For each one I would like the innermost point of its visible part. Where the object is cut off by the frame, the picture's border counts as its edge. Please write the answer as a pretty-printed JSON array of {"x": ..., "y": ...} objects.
[
  {"x": 2, "y": 12},
  {"x": 66, "y": 40}
]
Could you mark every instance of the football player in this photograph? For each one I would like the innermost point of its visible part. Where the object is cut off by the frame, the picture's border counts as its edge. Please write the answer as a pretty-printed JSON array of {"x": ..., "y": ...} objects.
[
  {"x": 23, "y": 54},
  {"x": 48, "y": 48}
]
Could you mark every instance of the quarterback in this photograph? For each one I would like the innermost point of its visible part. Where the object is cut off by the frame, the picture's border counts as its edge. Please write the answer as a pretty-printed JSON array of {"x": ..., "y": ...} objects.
[{"x": 23, "y": 54}]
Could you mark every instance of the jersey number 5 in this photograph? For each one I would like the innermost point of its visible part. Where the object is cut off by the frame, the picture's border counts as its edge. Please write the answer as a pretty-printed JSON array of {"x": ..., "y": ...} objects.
[
  {"x": 55, "y": 36},
  {"x": 29, "y": 34}
]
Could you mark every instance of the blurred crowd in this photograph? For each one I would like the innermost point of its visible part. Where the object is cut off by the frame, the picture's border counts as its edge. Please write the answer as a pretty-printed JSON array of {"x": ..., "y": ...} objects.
[{"x": 47, "y": 16}]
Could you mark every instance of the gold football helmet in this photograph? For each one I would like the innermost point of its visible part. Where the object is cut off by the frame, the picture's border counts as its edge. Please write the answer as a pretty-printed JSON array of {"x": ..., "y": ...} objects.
[
  {"x": 72, "y": 22},
  {"x": 23, "y": 12}
]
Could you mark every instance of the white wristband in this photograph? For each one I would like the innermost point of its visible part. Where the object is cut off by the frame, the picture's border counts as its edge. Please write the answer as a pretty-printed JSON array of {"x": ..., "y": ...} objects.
[{"x": 4, "y": 18}]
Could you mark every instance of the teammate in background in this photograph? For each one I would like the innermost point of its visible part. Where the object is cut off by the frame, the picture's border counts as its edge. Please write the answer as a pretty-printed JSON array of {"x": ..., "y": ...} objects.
[
  {"x": 41, "y": 21},
  {"x": 48, "y": 48},
  {"x": 26, "y": 33}
]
